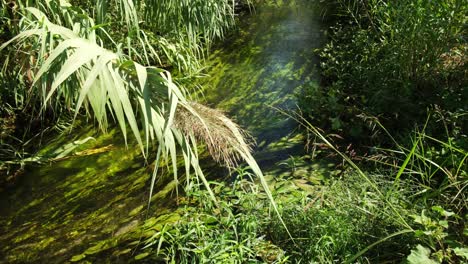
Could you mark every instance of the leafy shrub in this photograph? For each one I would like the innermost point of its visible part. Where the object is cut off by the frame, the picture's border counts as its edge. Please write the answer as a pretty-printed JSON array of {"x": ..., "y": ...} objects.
[{"x": 392, "y": 60}]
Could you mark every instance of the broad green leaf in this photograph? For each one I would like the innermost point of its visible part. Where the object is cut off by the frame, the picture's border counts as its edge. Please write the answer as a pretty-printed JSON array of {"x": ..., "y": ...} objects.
[
  {"x": 420, "y": 255},
  {"x": 127, "y": 107},
  {"x": 100, "y": 64},
  {"x": 53, "y": 28},
  {"x": 442, "y": 211},
  {"x": 461, "y": 252},
  {"x": 115, "y": 102}
]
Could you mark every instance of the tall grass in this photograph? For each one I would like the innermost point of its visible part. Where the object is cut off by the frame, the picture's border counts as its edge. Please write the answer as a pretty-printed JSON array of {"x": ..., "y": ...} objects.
[{"x": 416, "y": 207}]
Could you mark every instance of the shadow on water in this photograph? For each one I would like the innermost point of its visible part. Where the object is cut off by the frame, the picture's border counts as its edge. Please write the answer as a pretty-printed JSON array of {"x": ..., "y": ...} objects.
[
  {"x": 92, "y": 208},
  {"x": 81, "y": 207}
]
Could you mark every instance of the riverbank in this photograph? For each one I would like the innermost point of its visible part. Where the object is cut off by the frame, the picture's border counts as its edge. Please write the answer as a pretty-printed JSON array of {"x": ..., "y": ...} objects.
[{"x": 392, "y": 205}]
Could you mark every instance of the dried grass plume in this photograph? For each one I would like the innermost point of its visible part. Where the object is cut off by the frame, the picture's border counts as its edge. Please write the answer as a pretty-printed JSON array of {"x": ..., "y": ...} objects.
[{"x": 224, "y": 139}]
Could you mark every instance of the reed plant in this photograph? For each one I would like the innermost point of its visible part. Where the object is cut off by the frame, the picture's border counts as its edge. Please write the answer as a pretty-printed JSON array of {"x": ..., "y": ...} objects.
[{"x": 81, "y": 60}]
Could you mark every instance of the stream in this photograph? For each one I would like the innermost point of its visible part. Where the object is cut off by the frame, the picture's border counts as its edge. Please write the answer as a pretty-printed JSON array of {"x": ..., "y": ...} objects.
[
  {"x": 261, "y": 70},
  {"x": 92, "y": 208}
]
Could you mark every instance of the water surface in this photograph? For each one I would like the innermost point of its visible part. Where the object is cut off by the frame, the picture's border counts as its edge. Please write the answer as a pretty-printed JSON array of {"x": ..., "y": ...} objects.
[
  {"x": 92, "y": 208},
  {"x": 263, "y": 68}
]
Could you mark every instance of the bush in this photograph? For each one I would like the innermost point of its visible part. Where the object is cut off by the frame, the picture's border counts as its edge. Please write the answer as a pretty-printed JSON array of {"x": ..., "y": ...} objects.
[{"x": 392, "y": 60}]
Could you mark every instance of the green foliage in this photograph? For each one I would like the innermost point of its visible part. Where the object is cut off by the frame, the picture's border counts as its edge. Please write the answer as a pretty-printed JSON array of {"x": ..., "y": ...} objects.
[
  {"x": 227, "y": 232},
  {"x": 340, "y": 219},
  {"x": 390, "y": 59},
  {"x": 394, "y": 60},
  {"x": 420, "y": 256},
  {"x": 430, "y": 174},
  {"x": 346, "y": 220},
  {"x": 192, "y": 22},
  {"x": 437, "y": 165},
  {"x": 434, "y": 232},
  {"x": 96, "y": 58}
]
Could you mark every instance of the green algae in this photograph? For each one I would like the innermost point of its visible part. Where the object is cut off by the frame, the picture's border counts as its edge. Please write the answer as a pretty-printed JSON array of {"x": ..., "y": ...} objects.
[
  {"x": 78, "y": 257},
  {"x": 100, "y": 246},
  {"x": 142, "y": 256},
  {"x": 261, "y": 69},
  {"x": 93, "y": 208},
  {"x": 136, "y": 211},
  {"x": 73, "y": 209}
]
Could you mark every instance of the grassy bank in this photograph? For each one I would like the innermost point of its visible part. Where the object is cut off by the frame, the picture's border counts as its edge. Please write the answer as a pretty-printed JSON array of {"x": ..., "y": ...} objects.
[
  {"x": 411, "y": 212},
  {"x": 394, "y": 86}
]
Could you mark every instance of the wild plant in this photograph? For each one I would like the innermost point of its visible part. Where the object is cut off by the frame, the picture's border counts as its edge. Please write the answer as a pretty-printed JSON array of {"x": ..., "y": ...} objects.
[
  {"x": 227, "y": 232},
  {"x": 380, "y": 49},
  {"x": 395, "y": 204}
]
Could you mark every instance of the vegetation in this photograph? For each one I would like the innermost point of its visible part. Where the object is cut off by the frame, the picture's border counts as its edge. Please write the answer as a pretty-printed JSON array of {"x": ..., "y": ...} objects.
[
  {"x": 387, "y": 67},
  {"x": 386, "y": 130},
  {"x": 403, "y": 200},
  {"x": 397, "y": 213},
  {"x": 71, "y": 58},
  {"x": 393, "y": 61}
]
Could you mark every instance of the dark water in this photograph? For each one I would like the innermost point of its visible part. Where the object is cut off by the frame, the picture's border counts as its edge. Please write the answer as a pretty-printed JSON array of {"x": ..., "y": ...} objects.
[{"x": 92, "y": 208}]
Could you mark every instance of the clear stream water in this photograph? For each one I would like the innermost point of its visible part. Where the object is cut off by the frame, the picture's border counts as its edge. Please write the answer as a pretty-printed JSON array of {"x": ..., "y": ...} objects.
[{"x": 92, "y": 208}]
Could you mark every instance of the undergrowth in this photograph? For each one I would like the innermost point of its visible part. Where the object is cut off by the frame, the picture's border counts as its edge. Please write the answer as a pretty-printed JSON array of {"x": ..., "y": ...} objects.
[
  {"x": 224, "y": 232},
  {"x": 392, "y": 60},
  {"x": 408, "y": 208}
]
